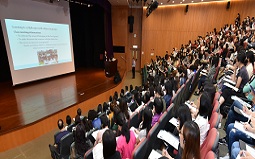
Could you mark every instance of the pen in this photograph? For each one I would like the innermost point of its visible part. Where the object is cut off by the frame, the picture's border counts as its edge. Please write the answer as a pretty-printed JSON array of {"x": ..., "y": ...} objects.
[{"x": 243, "y": 154}]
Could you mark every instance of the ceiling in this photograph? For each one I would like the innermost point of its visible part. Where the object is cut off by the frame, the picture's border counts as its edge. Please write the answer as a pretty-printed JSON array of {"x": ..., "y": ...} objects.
[{"x": 161, "y": 2}]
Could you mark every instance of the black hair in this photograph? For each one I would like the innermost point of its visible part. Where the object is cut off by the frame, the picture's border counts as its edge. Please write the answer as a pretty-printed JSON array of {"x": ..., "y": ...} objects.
[
  {"x": 80, "y": 140},
  {"x": 99, "y": 109},
  {"x": 121, "y": 121},
  {"x": 183, "y": 114},
  {"x": 124, "y": 108},
  {"x": 77, "y": 119},
  {"x": 87, "y": 124},
  {"x": 169, "y": 88},
  {"x": 115, "y": 95},
  {"x": 241, "y": 57},
  {"x": 250, "y": 56},
  {"x": 68, "y": 120},
  {"x": 105, "y": 107},
  {"x": 147, "y": 118},
  {"x": 130, "y": 87},
  {"x": 109, "y": 143},
  {"x": 146, "y": 97},
  {"x": 158, "y": 104},
  {"x": 204, "y": 105},
  {"x": 79, "y": 111},
  {"x": 104, "y": 121},
  {"x": 110, "y": 99},
  {"x": 151, "y": 89},
  {"x": 92, "y": 114},
  {"x": 60, "y": 124}
]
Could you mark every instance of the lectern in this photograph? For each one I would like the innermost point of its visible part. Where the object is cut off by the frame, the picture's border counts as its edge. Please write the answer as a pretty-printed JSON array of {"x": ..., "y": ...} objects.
[{"x": 110, "y": 68}]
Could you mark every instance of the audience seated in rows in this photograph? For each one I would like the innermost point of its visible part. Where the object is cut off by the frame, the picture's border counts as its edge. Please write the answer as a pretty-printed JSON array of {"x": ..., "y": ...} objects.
[{"x": 127, "y": 140}]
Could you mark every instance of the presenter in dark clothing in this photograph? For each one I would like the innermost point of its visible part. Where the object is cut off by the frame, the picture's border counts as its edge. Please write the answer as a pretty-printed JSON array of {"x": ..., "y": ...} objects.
[{"x": 133, "y": 67}]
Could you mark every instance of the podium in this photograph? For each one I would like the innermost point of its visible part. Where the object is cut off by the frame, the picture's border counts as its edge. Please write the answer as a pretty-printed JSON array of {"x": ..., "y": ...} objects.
[{"x": 110, "y": 68}]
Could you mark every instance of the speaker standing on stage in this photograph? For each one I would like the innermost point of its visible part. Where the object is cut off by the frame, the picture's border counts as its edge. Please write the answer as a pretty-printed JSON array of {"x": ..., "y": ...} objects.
[{"x": 133, "y": 67}]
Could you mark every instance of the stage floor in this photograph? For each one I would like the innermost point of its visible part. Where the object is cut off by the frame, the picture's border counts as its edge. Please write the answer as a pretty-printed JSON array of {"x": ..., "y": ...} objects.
[{"x": 27, "y": 103}]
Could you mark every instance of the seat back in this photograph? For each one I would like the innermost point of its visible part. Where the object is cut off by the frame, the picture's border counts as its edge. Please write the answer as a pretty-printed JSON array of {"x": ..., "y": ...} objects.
[
  {"x": 65, "y": 144},
  {"x": 215, "y": 120},
  {"x": 216, "y": 97},
  {"x": 210, "y": 143},
  {"x": 89, "y": 154},
  {"x": 216, "y": 106},
  {"x": 134, "y": 120},
  {"x": 170, "y": 107},
  {"x": 140, "y": 150},
  {"x": 152, "y": 137},
  {"x": 163, "y": 120},
  {"x": 210, "y": 155}
]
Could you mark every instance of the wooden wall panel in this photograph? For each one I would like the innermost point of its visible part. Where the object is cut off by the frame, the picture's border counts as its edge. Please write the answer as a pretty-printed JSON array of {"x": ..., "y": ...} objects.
[
  {"x": 170, "y": 26},
  {"x": 121, "y": 34}
]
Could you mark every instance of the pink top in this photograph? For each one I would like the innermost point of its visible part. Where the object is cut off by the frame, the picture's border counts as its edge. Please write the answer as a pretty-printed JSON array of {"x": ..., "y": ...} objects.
[{"x": 124, "y": 148}]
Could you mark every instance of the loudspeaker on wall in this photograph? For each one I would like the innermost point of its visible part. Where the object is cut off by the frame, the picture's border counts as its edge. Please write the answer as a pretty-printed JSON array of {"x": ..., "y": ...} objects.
[
  {"x": 130, "y": 19},
  {"x": 228, "y": 5},
  {"x": 187, "y": 8},
  {"x": 131, "y": 23}
]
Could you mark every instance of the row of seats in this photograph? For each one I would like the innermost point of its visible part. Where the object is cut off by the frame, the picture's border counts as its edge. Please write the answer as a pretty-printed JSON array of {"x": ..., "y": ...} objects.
[
  {"x": 209, "y": 149},
  {"x": 143, "y": 149}
]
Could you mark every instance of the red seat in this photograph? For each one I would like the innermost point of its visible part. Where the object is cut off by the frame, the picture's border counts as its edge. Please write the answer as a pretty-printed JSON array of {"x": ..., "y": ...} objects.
[
  {"x": 89, "y": 154},
  {"x": 210, "y": 155},
  {"x": 216, "y": 106},
  {"x": 215, "y": 120},
  {"x": 140, "y": 149},
  {"x": 210, "y": 143},
  {"x": 216, "y": 97}
]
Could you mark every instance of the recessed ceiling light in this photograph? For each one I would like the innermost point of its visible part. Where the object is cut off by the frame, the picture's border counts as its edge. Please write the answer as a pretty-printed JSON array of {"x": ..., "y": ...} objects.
[
  {"x": 202, "y": 0},
  {"x": 192, "y": 1},
  {"x": 183, "y": 0},
  {"x": 173, "y": 2},
  {"x": 180, "y": 2},
  {"x": 161, "y": 3}
]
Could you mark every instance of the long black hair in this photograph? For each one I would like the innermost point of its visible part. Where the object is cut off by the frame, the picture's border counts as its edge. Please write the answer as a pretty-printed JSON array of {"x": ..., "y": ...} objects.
[
  {"x": 147, "y": 118},
  {"x": 109, "y": 143},
  {"x": 121, "y": 121}
]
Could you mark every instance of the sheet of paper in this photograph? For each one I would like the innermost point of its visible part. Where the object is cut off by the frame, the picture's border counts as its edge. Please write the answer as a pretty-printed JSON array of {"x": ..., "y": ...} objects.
[
  {"x": 250, "y": 150},
  {"x": 169, "y": 138},
  {"x": 239, "y": 111},
  {"x": 154, "y": 155},
  {"x": 191, "y": 107},
  {"x": 174, "y": 121},
  {"x": 240, "y": 127},
  {"x": 241, "y": 101},
  {"x": 133, "y": 129}
]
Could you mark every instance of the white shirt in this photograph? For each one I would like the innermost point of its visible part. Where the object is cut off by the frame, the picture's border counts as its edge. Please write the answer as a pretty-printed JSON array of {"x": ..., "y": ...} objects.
[
  {"x": 98, "y": 151},
  {"x": 203, "y": 127},
  {"x": 249, "y": 69}
]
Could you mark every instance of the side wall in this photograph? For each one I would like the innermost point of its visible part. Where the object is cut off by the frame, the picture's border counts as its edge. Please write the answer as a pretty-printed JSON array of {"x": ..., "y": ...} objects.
[{"x": 170, "y": 26}]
